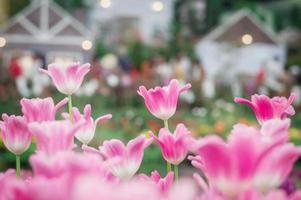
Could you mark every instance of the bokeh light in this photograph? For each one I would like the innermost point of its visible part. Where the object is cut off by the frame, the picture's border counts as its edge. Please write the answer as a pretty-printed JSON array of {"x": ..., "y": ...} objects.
[
  {"x": 247, "y": 39},
  {"x": 87, "y": 45},
  {"x": 105, "y": 3},
  {"x": 2, "y": 41},
  {"x": 157, "y": 6}
]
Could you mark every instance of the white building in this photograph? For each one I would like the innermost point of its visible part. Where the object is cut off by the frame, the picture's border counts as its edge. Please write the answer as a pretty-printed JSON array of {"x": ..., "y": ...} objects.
[
  {"x": 238, "y": 49},
  {"x": 45, "y": 28},
  {"x": 144, "y": 19}
]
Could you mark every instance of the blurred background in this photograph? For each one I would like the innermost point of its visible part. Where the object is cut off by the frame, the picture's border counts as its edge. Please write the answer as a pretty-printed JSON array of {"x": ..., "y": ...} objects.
[{"x": 225, "y": 48}]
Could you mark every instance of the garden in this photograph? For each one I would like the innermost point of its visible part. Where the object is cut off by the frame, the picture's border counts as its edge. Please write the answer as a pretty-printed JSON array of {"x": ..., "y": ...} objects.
[
  {"x": 150, "y": 99},
  {"x": 257, "y": 152}
]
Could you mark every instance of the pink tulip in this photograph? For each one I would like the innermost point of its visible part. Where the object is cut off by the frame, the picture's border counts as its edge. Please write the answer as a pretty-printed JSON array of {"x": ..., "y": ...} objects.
[
  {"x": 42, "y": 188},
  {"x": 247, "y": 160},
  {"x": 67, "y": 79},
  {"x": 54, "y": 136},
  {"x": 38, "y": 110},
  {"x": 164, "y": 184},
  {"x": 11, "y": 187},
  {"x": 275, "y": 168},
  {"x": 162, "y": 101},
  {"x": 67, "y": 163},
  {"x": 184, "y": 189},
  {"x": 271, "y": 195},
  {"x": 86, "y": 133},
  {"x": 253, "y": 195},
  {"x": 174, "y": 147},
  {"x": 15, "y": 134},
  {"x": 266, "y": 108},
  {"x": 93, "y": 188},
  {"x": 275, "y": 129},
  {"x": 124, "y": 161}
]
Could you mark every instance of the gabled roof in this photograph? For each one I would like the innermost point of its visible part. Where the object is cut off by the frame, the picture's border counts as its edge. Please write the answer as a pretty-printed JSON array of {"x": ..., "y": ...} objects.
[
  {"x": 240, "y": 23},
  {"x": 44, "y": 22}
]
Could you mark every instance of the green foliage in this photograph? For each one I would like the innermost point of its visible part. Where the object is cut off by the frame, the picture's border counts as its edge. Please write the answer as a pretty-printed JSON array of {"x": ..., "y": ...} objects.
[
  {"x": 17, "y": 5},
  {"x": 294, "y": 58},
  {"x": 71, "y": 4},
  {"x": 7, "y": 159},
  {"x": 153, "y": 161},
  {"x": 101, "y": 49},
  {"x": 138, "y": 53}
]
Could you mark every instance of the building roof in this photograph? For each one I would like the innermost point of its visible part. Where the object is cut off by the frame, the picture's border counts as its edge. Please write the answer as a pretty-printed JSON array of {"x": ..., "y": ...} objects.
[
  {"x": 44, "y": 22},
  {"x": 241, "y": 23}
]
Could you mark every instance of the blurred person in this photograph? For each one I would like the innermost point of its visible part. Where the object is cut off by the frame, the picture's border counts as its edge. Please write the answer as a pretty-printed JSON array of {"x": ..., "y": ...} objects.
[
  {"x": 197, "y": 77},
  {"x": 295, "y": 72},
  {"x": 18, "y": 74},
  {"x": 24, "y": 69},
  {"x": 15, "y": 69},
  {"x": 113, "y": 76},
  {"x": 125, "y": 65},
  {"x": 181, "y": 67},
  {"x": 259, "y": 77},
  {"x": 39, "y": 80},
  {"x": 274, "y": 75},
  {"x": 96, "y": 69},
  {"x": 147, "y": 72},
  {"x": 91, "y": 85},
  {"x": 4, "y": 79},
  {"x": 197, "y": 72},
  {"x": 227, "y": 77},
  {"x": 163, "y": 70},
  {"x": 110, "y": 70}
]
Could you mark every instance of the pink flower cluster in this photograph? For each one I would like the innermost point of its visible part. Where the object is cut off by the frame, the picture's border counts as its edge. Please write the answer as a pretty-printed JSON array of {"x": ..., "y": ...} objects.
[{"x": 250, "y": 165}]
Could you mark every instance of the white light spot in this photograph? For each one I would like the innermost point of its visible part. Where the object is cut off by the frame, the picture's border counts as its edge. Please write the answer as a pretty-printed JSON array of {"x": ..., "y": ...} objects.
[
  {"x": 87, "y": 45},
  {"x": 113, "y": 80},
  {"x": 157, "y": 6},
  {"x": 2, "y": 41},
  {"x": 105, "y": 3},
  {"x": 247, "y": 39}
]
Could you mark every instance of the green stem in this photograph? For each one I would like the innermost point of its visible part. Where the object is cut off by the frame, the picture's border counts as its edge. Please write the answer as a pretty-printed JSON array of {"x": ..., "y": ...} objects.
[
  {"x": 18, "y": 166},
  {"x": 168, "y": 167},
  {"x": 166, "y": 124},
  {"x": 176, "y": 168},
  {"x": 70, "y": 108}
]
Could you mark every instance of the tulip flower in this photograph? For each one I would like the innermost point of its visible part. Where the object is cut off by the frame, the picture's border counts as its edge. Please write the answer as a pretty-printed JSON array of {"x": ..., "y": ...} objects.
[
  {"x": 16, "y": 136},
  {"x": 66, "y": 163},
  {"x": 162, "y": 101},
  {"x": 275, "y": 129},
  {"x": 164, "y": 184},
  {"x": 39, "y": 110},
  {"x": 274, "y": 169},
  {"x": 246, "y": 161},
  {"x": 174, "y": 147},
  {"x": 12, "y": 187},
  {"x": 86, "y": 132},
  {"x": 94, "y": 188},
  {"x": 67, "y": 79},
  {"x": 252, "y": 194},
  {"x": 124, "y": 161},
  {"x": 266, "y": 108},
  {"x": 54, "y": 136}
]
